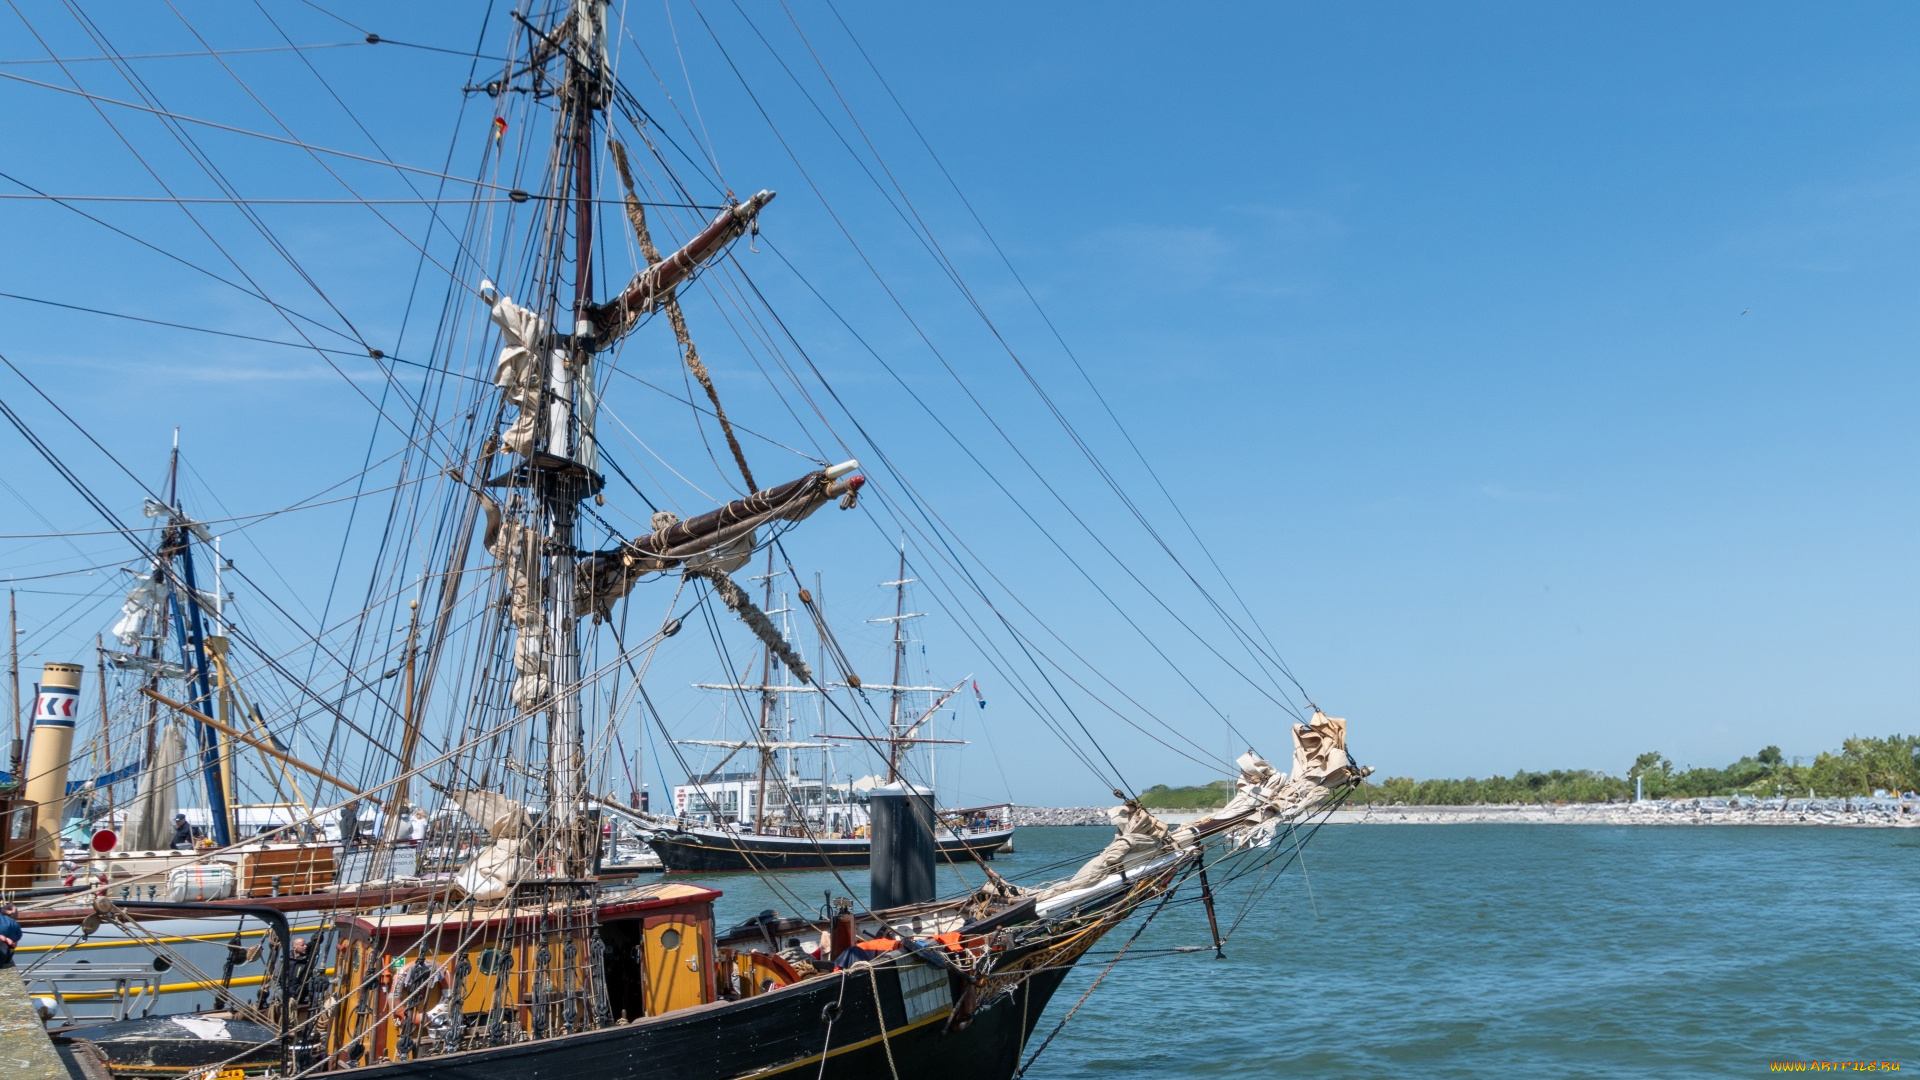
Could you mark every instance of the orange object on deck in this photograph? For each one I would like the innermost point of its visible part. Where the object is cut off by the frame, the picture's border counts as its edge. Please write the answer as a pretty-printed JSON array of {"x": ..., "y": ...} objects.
[{"x": 879, "y": 944}]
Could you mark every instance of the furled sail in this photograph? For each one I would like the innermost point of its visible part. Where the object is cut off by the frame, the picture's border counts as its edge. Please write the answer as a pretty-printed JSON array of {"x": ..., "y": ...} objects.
[
  {"x": 140, "y": 616},
  {"x": 143, "y": 615},
  {"x": 494, "y": 869},
  {"x": 150, "y": 818},
  {"x": 517, "y": 548},
  {"x": 615, "y": 318},
  {"x": 1140, "y": 836},
  {"x": 518, "y": 371},
  {"x": 718, "y": 539},
  {"x": 1264, "y": 800},
  {"x": 492, "y": 811}
]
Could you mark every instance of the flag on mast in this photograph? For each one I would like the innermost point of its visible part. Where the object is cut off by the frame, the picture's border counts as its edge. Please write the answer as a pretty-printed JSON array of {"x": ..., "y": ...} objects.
[{"x": 976, "y": 694}]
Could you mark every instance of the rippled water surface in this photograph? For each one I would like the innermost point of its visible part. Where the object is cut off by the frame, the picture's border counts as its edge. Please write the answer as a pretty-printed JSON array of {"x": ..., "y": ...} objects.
[{"x": 1497, "y": 950}]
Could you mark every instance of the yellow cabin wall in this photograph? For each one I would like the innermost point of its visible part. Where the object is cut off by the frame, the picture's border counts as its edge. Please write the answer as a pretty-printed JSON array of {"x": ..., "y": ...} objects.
[
  {"x": 675, "y": 974},
  {"x": 676, "y": 951}
]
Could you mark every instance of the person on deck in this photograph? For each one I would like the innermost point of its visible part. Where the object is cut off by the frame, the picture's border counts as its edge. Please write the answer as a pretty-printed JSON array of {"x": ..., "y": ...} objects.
[
  {"x": 304, "y": 958},
  {"x": 349, "y": 824},
  {"x": 417, "y": 827},
  {"x": 182, "y": 834},
  {"x": 9, "y": 934}
]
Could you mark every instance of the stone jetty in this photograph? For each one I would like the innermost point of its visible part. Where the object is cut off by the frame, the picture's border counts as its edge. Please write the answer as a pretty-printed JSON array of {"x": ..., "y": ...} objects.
[
  {"x": 1029, "y": 816},
  {"x": 1855, "y": 813}
]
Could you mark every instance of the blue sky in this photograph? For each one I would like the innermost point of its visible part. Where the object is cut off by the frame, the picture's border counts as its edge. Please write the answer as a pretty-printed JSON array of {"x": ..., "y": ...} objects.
[{"x": 1543, "y": 376}]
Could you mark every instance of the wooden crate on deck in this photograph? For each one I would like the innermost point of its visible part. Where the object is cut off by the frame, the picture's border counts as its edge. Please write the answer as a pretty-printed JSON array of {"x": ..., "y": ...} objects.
[{"x": 300, "y": 870}]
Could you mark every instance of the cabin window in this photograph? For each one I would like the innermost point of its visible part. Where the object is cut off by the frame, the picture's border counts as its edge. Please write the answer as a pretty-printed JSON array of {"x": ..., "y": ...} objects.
[
  {"x": 669, "y": 938},
  {"x": 20, "y": 823}
]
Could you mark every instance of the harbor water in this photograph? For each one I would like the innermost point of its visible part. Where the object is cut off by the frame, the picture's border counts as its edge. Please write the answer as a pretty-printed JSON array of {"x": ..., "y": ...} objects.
[{"x": 1491, "y": 950}]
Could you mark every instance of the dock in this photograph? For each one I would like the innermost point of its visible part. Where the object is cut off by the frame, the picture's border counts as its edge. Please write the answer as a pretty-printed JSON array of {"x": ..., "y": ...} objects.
[{"x": 26, "y": 1053}]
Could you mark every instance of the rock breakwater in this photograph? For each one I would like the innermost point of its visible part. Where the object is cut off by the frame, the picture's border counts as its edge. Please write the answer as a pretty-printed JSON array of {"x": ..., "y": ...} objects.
[
  {"x": 1857, "y": 813},
  {"x": 1854, "y": 813},
  {"x": 1029, "y": 816}
]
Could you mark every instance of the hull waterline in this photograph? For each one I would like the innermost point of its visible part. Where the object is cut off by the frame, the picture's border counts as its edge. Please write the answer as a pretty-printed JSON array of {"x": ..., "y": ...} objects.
[{"x": 708, "y": 852}]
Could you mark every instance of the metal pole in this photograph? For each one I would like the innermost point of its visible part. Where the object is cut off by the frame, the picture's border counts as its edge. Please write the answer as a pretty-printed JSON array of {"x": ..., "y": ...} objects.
[
  {"x": 766, "y": 710},
  {"x": 193, "y": 647},
  {"x": 1213, "y": 922},
  {"x": 106, "y": 743},
  {"x": 899, "y": 659},
  {"x": 13, "y": 653}
]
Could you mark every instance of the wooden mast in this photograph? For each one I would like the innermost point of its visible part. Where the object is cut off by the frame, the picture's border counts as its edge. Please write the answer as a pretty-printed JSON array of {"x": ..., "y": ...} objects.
[
  {"x": 410, "y": 732},
  {"x": 264, "y": 747},
  {"x": 216, "y": 646},
  {"x": 559, "y": 490}
]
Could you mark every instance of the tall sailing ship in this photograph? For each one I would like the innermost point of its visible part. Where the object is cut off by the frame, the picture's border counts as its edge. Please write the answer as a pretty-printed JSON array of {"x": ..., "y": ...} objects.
[
  {"x": 498, "y": 950},
  {"x": 737, "y": 822}
]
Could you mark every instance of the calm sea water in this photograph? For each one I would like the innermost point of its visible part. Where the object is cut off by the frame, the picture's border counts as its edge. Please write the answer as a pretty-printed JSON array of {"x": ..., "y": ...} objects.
[{"x": 1498, "y": 950}]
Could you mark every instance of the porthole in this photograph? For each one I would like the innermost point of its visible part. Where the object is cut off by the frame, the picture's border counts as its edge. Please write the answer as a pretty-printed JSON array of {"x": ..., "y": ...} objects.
[{"x": 670, "y": 939}]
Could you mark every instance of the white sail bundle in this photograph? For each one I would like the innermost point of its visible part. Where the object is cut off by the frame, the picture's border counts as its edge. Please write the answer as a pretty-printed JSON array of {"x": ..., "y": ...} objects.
[
  {"x": 141, "y": 616},
  {"x": 720, "y": 540},
  {"x": 517, "y": 548},
  {"x": 495, "y": 869},
  {"x": 1141, "y": 837},
  {"x": 1265, "y": 800},
  {"x": 518, "y": 371},
  {"x": 150, "y": 818}
]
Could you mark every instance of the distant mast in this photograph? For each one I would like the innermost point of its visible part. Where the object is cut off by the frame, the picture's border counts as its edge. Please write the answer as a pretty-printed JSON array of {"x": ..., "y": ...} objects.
[{"x": 900, "y": 617}]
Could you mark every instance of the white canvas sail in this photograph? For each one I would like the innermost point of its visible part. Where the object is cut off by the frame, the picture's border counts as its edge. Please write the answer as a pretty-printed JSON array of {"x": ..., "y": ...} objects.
[{"x": 150, "y": 818}]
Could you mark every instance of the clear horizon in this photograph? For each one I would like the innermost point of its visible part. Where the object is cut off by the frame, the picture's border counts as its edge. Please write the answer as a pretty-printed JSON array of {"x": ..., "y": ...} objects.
[{"x": 1544, "y": 379}]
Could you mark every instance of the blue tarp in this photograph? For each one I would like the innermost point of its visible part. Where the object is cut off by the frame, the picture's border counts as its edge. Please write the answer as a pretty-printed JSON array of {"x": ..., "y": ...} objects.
[{"x": 74, "y": 786}]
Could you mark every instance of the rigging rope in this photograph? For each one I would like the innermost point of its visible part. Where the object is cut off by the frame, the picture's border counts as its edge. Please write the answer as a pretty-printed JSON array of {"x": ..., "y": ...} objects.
[
  {"x": 637, "y": 216},
  {"x": 311, "y": 148},
  {"x": 880, "y": 1011},
  {"x": 923, "y": 233}
]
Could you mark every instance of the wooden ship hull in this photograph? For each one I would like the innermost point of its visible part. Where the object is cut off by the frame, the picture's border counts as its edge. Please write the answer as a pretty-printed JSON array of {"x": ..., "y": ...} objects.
[
  {"x": 669, "y": 999},
  {"x": 784, "y": 1033}
]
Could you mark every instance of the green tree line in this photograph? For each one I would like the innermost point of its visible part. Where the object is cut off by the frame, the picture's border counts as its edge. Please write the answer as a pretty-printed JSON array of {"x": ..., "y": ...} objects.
[{"x": 1861, "y": 766}]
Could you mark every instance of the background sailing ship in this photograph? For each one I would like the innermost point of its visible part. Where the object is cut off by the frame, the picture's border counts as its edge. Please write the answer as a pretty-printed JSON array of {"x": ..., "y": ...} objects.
[
  {"x": 723, "y": 821},
  {"x": 519, "y": 591}
]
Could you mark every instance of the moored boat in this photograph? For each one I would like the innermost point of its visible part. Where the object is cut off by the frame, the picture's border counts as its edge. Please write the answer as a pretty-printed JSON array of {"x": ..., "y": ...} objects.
[{"x": 698, "y": 849}]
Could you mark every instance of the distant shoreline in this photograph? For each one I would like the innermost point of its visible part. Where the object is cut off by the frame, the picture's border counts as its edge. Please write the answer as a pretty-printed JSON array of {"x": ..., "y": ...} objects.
[{"x": 1844, "y": 813}]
